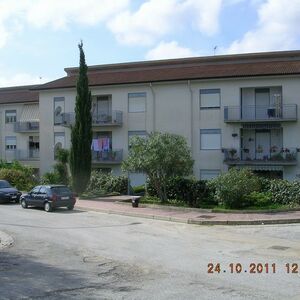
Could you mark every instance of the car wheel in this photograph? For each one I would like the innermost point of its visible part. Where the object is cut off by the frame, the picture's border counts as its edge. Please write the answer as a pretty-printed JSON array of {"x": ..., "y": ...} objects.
[
  {"x": 70, "y": 207},
  {"x": 47, "y": 207},
  {"x": 23, "y": 203}
]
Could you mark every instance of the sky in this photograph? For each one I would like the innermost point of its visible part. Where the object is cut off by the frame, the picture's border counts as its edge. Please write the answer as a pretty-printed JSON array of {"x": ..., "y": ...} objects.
[{"x": 39, "y": 38}]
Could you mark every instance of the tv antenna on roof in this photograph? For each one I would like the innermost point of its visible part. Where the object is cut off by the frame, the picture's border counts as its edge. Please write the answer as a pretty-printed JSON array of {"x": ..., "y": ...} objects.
[{"x": 215, "y": 49}]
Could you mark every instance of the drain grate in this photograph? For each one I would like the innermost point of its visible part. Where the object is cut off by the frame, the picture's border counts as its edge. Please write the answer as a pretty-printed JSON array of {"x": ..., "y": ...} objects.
[
  {"x": 205, "y": 217},
  {"x": 280, "y": 248}
]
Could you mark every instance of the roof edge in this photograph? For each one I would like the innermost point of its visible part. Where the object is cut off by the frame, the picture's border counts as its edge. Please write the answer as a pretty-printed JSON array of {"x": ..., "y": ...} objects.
[{"x": 187, "y": 60}]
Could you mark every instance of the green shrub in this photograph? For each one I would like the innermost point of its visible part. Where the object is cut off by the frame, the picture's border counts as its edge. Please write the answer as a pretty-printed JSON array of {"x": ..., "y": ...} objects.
[
  {"x": 259, "y": 199},
  {"x": 140, "y": 190},
  {"x": 50, "y": 178},
  {"x": 189, "y": 191},
  {"x": 107, "y": 183},
  {"x": 285, "y": 192},
  {"x": 61, "y": 172},
  {"x": 232, "y": 188},
  {"x": 23, "y": 180}
]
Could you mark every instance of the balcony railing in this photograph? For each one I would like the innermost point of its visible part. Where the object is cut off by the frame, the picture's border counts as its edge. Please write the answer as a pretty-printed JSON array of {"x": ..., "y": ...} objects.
[
  {"x": 286, "y": 156},
  {"x": 114, "y": 118},
  {"x": 27, "y": 126},
  {"x": 23, "y": 155},
  {"x": 108, "y": 157},
  {"x": 287, "y": 112}
]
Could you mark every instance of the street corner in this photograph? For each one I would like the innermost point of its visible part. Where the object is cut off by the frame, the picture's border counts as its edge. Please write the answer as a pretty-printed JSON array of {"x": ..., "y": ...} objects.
[{"x": 5, "y": 240}]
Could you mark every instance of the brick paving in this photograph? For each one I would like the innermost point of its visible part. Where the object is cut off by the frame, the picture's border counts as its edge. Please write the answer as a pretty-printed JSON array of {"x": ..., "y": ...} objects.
[{"x": 183, "y": 215}]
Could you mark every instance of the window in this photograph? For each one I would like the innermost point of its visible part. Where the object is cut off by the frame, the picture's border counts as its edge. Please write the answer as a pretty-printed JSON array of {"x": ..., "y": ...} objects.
[
  {"x": 210, "y": 139},
  {"x": 10, "y": 116},
  {"x": 10, "y": 143},
  {"x": 209, "y": 174},
  {"x": 43, "y": 190},
  {"x": 59, "y": 142},
  {"x": 136, "y": 102},
  {"x": 59, "y": 109},
  {"x": 140, "y": 133},
  {"x": 35, "y": 190},
  {"x": 210, "y": 98}
]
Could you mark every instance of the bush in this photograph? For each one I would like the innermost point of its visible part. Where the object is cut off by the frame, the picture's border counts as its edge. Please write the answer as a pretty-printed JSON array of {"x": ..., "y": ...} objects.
[
  {"x": 259, "y": 199},
  {"x": 285, "y": 192},
  {"x": 105, "y": 183},
  {"x": 139, "y": 190},
  {"x": 50, "y": 178},
  {"x": 233, "y": 187},
  {"x": 190, "y": 191},
  {"x": 21, "y": 179}
]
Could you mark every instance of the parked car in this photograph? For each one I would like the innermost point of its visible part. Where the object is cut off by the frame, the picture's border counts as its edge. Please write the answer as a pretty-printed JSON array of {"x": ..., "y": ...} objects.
[
  {"x": 49, "y": 197},
  {"x": 8, "y": 193}
]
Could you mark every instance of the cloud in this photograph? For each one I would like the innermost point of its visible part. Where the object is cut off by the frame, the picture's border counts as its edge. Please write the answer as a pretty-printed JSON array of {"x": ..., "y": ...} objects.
[
  {"x": 155, "y": 19},
  {"x": 21, "y": 79},
  {"x": 277, "y": 29},
  {"x": 57, "y": 14},
  {"x": 61, "y": 13},
  {"x": 169, "y": 50}
]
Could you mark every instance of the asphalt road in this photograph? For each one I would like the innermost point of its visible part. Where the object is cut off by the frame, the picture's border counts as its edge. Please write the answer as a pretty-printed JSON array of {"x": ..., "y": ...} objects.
[{"x": 89, "y": 255}]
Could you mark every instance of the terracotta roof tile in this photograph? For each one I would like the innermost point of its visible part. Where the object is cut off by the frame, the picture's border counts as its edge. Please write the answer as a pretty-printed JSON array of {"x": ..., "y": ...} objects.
[
  {"x": 275, "y": 63},
  {"x": 19, "y": 94}
]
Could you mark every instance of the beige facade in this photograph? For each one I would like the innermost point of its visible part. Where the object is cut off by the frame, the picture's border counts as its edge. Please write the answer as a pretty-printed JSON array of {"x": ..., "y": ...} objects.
[
  {"x": 19, "y": 133},
  {"x": 175, "y": 107},
  {"x": 234, "y": 111}
]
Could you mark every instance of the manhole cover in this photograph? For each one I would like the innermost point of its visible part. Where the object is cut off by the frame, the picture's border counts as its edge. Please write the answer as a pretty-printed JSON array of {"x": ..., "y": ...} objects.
[
  {"x": 205, "y": 217},
  {"x": 281, "y": 248}
]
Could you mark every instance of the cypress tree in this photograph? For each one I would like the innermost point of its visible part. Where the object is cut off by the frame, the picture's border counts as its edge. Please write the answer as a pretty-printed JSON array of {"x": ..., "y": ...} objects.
[{"x": 81, "y": 132}]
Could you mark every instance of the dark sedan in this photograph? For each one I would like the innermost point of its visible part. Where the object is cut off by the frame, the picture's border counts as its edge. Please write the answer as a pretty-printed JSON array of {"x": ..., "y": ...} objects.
[
  {"x": 8, "y": 193},
  {"x": 49, "y": 197}
]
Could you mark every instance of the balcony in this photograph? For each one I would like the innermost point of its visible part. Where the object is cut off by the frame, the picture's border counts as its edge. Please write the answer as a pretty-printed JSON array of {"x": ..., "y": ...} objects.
[
  {"x": 27, "y": 155},
  {"x": 283, "y": 157},
  {"x": 100, "y": 119},
  {"x": 287, "y": 113},
  {"x": 107, "y": 157},
  {"x": 27, "y": 127}
]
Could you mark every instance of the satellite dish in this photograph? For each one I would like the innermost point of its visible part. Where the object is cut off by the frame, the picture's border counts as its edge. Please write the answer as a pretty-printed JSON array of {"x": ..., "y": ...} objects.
[{"x": 58, "y": 111}]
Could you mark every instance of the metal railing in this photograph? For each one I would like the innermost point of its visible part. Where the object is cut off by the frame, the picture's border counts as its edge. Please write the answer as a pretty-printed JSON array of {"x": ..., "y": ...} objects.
[
  {"x": 248, "y": 156},
  {"x": 110, "y": 156},
  {"x": 27, "y": 126},
  {"x": 286, "y": 112},
  {"x": 114, "y": 118},
  {"x": 22, "y": 155}
]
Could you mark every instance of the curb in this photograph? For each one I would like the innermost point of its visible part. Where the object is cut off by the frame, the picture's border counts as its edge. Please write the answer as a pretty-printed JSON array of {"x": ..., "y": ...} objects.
[
  {"x": 241, "y": 222},
  {"x": 193, "y": 221},
  {"x": 137, "y": 215},
  {"x": 5, "y": 240}
]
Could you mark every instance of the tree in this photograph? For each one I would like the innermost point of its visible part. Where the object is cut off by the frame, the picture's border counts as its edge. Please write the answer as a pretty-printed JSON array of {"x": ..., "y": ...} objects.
[
  {"x": 160, "y": 156},
  {"x": 81, "y": 132}
]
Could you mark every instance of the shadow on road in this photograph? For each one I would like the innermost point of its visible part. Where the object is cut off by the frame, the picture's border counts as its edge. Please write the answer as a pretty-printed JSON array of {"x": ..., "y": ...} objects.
[{"x": 24, "y": 278}]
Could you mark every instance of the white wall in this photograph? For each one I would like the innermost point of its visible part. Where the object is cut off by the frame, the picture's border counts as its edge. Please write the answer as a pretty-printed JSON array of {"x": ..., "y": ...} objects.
[{"x": 169, "y": 109}]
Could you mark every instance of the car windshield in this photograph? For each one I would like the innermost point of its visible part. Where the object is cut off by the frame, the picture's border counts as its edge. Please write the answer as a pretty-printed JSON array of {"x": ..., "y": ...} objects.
[
  {"x": 59, "y": 190},
  {"x": 4, "y": 184}
]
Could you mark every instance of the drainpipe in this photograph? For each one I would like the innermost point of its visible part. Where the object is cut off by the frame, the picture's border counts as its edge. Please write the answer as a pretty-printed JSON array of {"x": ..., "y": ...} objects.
[
  {"x": 192, "y": 122},
  {"x": 154, "y": 106}
]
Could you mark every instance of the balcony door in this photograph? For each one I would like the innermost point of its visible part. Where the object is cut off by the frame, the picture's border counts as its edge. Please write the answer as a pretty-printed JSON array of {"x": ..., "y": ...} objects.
[
  {"x": 103, "y": 108},
  {"x": 263, "y": 144},
  {"x": 262, "y": 103}
]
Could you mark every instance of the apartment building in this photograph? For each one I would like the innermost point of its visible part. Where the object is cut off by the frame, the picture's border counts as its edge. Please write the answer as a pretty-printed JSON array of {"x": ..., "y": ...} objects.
[
  {"x": 234, "y": 111},
  {"x": 19, "y": 119}
]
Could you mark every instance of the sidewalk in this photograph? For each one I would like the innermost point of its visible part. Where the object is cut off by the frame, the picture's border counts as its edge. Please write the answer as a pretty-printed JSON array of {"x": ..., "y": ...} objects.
[{"x": 189, "y": 216}]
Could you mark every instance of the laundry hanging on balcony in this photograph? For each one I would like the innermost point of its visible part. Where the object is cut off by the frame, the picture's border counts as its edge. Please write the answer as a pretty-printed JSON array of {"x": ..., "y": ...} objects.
[{"x": 100, "y": 144}]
